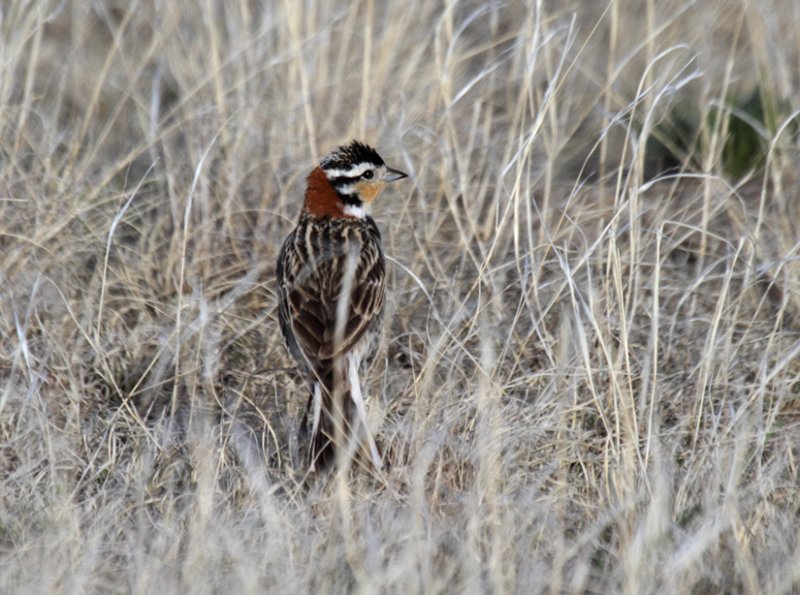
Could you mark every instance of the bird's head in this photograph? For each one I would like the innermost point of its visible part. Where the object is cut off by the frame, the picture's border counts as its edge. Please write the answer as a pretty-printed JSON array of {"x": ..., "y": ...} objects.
[{"x": 348, "y": 180}]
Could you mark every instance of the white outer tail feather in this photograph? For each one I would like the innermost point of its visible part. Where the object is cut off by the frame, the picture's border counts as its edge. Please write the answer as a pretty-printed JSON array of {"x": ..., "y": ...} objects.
[
  {"x": 317, "y": 412},
  {"x": 358, "y": 399}
]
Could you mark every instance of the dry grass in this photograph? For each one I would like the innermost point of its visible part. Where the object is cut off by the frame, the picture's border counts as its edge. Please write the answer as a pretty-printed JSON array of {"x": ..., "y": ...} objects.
[{"x": 590, "y": 380}]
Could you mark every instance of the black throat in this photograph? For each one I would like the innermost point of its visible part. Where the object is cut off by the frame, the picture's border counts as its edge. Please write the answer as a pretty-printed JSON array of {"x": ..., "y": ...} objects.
[{"x": 350, "y": 200}]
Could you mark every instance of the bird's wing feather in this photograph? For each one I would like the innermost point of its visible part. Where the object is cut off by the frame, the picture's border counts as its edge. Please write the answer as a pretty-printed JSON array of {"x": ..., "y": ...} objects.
[
  {"x": 364, "y": 302},
  {"x": 309, "y": 298}
]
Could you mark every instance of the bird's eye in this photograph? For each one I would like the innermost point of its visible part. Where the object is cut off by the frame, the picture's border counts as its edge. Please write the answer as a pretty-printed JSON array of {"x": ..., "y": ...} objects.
[{"x": 367, "y": 175}]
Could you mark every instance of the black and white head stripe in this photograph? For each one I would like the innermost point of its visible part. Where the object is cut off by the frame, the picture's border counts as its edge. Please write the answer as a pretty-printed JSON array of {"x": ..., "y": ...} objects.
[{"x": 351, "y": 161}]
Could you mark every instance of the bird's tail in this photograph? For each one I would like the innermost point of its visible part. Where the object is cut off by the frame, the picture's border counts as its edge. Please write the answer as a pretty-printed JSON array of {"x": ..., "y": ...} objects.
[
  {"x": 338, "y": 417},
  {"x": 332, "y": 417}
]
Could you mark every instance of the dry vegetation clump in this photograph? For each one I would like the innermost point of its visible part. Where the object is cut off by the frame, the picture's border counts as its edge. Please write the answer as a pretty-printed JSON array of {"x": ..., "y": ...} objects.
[{"x": 589, "y": 380}]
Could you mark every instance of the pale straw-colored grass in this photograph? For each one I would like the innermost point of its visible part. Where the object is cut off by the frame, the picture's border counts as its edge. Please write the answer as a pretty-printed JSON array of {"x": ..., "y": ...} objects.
[{"x": 589, "y": 380}]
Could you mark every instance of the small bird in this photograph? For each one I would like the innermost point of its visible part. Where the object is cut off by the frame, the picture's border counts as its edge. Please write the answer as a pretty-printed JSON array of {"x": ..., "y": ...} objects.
[{"x": 331, "y": 290}]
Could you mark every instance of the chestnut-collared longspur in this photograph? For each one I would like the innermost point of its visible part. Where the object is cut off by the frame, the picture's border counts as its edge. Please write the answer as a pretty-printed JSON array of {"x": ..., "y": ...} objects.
[{"x": 331, "y": 288}]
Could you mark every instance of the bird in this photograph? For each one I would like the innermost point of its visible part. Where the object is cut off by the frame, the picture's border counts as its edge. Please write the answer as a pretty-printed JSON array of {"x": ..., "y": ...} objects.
[{"x": 331, "y": 278}]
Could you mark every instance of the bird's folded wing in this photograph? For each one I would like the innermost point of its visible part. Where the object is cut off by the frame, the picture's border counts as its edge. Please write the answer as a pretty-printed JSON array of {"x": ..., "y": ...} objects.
[{"x": 313, "y": 307}]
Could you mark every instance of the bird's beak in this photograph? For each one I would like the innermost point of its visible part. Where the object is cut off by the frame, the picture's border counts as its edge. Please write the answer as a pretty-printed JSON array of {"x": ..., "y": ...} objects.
[{"x": 393, "y": 175}]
